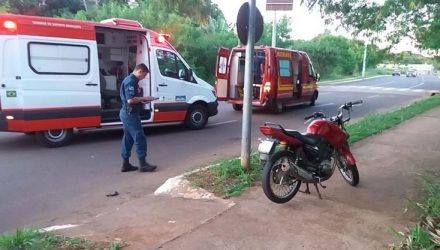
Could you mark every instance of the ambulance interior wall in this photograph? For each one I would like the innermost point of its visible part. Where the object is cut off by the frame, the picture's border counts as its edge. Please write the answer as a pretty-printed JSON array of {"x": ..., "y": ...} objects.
[
  {"x": 236, "y": 80},
  {"x": 114, "y": 48}
]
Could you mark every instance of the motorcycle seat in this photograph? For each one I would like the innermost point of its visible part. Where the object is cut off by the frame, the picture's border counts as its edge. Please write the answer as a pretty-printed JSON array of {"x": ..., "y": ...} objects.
[{"x": 309, "y": 139}]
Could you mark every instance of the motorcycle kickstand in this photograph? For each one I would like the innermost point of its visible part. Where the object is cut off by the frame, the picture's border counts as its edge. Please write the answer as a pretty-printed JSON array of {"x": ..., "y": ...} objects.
[
  {"x": 317, "y": 190},
  {"x": 307, "y": 191}
]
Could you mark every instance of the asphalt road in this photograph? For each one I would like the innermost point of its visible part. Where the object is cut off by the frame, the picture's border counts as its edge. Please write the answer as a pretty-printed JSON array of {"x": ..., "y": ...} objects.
[{"x": 39, "y": 185}]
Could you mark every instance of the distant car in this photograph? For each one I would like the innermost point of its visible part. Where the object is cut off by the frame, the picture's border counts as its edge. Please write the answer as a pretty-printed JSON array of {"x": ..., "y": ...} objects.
[
  {"x": 411, "y": 73},
  {"x": 396, "y": 72}
]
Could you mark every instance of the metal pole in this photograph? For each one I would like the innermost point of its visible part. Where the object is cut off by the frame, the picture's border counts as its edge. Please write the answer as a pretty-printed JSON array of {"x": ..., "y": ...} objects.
[
  {"x": 365, "y": 60},
  {"x": 247, "y": 100},
  {"x": 274, "y": 29}
]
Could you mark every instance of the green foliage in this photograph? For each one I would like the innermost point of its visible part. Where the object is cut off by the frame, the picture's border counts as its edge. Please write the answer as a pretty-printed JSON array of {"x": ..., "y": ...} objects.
[
  {"x": 405, "y": 58},
  {"x": 42, "y": 8},
  {"x": 23, "y": 239},
  {"x": 376, "y": 123},
  {"x": 4, "y": 8},
  {"x": 30, "y": 239},
  {"x": 337, "y": 56},
  {"x": 425, "y": 235},
  {"x": 417, "y": 19}
]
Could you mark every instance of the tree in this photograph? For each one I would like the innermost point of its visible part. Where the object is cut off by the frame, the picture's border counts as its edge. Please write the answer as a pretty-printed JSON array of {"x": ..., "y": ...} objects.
[
  {"x": 283, "y": 37},
  {"x": 43, "y": 7},
  {"x": 417, "y": 19}
]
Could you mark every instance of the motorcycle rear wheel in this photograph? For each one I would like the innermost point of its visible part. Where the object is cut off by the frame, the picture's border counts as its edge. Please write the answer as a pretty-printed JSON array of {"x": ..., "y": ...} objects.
[
  {"x": 349, "y": 173},
  {"x": 274, "y": 177}
]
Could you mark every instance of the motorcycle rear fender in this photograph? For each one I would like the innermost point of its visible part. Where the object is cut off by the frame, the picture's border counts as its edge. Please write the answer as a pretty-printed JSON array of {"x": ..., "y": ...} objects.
[{"x": 347, "y": 155}]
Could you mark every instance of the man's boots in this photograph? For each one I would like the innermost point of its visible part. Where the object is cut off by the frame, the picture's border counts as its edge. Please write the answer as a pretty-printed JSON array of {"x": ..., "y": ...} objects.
[
  {"x": 127, "y": 167},
  {"x": 145, "y": 166}
]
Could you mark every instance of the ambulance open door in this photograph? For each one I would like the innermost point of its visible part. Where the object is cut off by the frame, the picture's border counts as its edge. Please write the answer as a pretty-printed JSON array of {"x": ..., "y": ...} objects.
[{"x": 222, "y": 74}]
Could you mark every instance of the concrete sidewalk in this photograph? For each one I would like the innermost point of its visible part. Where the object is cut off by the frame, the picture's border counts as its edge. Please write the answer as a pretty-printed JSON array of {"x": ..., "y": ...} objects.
[{"x": 390, "y": 164}]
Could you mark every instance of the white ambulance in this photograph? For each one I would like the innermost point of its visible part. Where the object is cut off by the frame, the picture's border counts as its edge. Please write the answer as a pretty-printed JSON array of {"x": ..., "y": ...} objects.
[{"x": 57, "y": 75}]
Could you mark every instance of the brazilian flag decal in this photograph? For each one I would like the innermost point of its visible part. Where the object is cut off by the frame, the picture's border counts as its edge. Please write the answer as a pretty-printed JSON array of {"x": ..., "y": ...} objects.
[{"x": 11, "y": 93}]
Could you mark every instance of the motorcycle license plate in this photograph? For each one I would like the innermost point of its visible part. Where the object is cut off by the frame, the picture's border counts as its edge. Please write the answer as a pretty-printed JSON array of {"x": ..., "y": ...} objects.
[{"x": 266, "y": 147}]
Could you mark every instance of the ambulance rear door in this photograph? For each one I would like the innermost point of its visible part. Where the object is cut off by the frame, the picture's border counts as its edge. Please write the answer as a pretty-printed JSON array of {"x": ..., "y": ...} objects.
[{"x": 222, "y": 74}]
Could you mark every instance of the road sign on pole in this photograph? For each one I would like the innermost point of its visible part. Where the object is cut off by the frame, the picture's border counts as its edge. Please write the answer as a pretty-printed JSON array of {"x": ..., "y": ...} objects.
[
  {"x": 279, "y": 5},
  {"x": 243, "y": 24}
]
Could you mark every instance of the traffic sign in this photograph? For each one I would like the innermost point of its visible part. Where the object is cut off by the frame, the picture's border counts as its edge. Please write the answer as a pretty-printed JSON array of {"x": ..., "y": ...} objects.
[
  {"x": 279, "y": 4},
  {"x": 243, "y": 24}
]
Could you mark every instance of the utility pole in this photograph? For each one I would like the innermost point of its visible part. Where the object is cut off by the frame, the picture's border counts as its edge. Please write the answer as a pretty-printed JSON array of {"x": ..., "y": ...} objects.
[
  {"x": 365, "y": 59},
  {"x": 85, "y": 4},
  {"x": 247, "y": 99},
  {"x": 274, "y": 29}
]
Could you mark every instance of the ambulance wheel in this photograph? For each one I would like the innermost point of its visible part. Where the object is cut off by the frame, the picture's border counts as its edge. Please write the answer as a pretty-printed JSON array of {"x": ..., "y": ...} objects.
[
  {"x": 278, "y": 108},
  {"x": 237, "y": 107},
  {"x": 55, "y": 138},
  {"x": 197, "y": 117},
  {"x": 314, "y": 97}
]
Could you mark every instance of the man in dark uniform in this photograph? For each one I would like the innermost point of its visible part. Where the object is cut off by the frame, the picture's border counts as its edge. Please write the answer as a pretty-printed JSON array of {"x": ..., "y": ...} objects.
[{"x": 132, "y": 104}]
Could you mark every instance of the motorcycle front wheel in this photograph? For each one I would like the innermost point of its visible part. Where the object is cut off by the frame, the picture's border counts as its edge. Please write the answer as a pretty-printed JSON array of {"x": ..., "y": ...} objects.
[
  {"x": 278, "y": 185},
  {"x": 349, "y": 173}
]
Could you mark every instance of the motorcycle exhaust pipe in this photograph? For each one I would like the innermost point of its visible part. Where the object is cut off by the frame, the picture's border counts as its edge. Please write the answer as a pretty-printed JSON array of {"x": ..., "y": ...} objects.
[{"x": 301, "y": 174}]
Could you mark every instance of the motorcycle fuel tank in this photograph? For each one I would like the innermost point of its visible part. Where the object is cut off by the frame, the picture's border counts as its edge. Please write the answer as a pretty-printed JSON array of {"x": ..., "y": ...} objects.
[{"x": 327, "y": 130}]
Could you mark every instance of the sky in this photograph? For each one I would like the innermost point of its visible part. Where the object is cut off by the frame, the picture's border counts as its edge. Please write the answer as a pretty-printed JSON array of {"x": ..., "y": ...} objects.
[{"x": 305, "y": 24}]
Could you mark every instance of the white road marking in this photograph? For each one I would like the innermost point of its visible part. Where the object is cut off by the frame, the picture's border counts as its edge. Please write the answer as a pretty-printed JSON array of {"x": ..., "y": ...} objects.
[
  {"x": 382, "y": 84},
  {"x": 221, "y": 123},
  {"x": 327, "y": 104},
  {"x": 373, "y": 96},
  {"x": 326, "y": 93},
  {"x": 416, "y": 85},
  {"x": 54, "y": 228}
]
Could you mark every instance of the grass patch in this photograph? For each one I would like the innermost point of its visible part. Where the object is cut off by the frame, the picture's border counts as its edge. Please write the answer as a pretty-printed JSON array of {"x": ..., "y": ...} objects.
[
  {"x": 227, "y": 178},
  {"x": 376, "y": 123},
  {"x": 30, "y": 239},
  {"x": 426, "y": 234}
]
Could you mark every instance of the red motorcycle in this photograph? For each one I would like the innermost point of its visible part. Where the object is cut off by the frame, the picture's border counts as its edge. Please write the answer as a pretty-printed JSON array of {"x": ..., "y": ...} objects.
[{"x": 292, "y": 157}]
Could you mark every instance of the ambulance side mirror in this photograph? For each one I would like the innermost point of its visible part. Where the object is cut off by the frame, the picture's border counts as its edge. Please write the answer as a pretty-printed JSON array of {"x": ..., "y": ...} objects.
[
  {"x": 191, "y": 75},
  {"x": 182, "y": 75},
  {"x": 318, "y": 77}
]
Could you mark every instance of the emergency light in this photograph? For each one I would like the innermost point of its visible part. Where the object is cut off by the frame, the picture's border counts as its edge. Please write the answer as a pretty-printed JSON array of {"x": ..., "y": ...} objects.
[
  {"x": 10, "y": 25},
  {"x": 266, "y": 88},
  {"x": 162, "y": 38}
]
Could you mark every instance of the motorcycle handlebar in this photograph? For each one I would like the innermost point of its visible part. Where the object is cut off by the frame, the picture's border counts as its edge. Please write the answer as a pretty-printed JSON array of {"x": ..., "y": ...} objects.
[
  {"x": 315, "y": 115},
  {"x": 356, "y": 102},
  {"x": 351, "y": 104},
  {"x": 309, "y": 117}
]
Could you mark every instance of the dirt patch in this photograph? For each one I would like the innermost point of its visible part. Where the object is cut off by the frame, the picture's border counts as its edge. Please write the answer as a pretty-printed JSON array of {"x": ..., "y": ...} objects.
[{"x": 207, "y": 180}]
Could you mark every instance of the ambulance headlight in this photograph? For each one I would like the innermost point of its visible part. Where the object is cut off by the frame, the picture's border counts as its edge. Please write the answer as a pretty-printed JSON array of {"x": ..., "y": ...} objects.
[{"x": 10, "y": 117}]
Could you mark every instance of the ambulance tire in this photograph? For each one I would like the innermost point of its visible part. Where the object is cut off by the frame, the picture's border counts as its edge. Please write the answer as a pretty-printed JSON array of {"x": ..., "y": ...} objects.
[
  {"x": 197, "y": 117},
  {"x": 277, "y": 108},
  {"x": 237, "y": 107},
  {"x": 314, "y": 97},
  {"x": 55, "y": 138}
]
